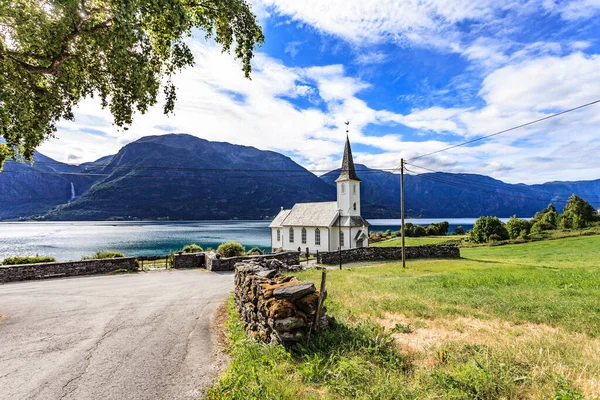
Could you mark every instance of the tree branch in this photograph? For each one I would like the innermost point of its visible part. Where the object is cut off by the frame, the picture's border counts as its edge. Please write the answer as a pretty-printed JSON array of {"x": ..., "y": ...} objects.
[{"x": 64, "y": 53}]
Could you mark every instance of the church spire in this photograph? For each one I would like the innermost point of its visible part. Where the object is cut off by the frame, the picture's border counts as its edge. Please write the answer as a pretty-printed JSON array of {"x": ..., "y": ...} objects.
[{"x": 348, "y": 172}]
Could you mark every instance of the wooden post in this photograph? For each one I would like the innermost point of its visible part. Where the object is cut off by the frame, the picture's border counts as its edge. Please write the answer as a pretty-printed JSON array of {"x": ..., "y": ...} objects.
[
  {"x": 402, "y": 211},
  {"x": 322, "y": 297}
]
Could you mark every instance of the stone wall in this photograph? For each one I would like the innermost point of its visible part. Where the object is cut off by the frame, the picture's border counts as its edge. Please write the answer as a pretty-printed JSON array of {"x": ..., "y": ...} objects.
[
  {"x": 389, "y": 253},
  {"x": 273, "y": 307},
  {"x": 228, "y": 264},
  {"x": 12, "y": 273},
  {"x": 189, "y": 260}
]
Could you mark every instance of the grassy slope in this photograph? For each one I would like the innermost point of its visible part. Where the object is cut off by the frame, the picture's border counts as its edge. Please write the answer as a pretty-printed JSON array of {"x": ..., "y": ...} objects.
[{"x": 503, "y": 322}]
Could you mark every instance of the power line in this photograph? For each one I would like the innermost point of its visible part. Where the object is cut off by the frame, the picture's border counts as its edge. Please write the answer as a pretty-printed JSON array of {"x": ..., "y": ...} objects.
[
  {"x": 206, "y": 169},
  {"x": 506, "y": 130},
  {"x": 491, "y": 185},
  {"x": 443, "y": 181}
]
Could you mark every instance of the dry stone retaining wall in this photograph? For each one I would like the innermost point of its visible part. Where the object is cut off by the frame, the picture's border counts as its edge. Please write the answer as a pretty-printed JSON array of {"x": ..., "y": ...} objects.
[
  {"x": 275, "y": 308},
  {"x": 228, "y": 264},
  {"x": 389, "y": 253},
  {"x": 189, "y": 260},
  {"x": 13, "y": 273}
]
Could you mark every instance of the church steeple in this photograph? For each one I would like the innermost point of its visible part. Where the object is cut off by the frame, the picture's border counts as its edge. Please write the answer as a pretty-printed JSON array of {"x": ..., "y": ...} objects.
[{"x": 348, "y": 173}]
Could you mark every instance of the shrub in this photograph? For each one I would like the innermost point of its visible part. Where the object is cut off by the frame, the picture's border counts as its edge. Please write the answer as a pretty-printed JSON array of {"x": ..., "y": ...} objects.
[
  {"x": 515, "y": 226},
  {"x": 409, "y": 229},
  {"x": 231, "y": 249},
  {"x": 487, "y": 226},
  {"x": 419, "y": 231},
  {"x": 388, "y": 233},
  {"x": 255, "y": 250},
  {"x": 459, "y": 230},
  {"x": 192, "y": 248},
  {"x": 495, "y": 238},
  {"x": 104, "y": 254},
  {"x": 541, "y": 226},
  {"x": 28, "y": 260}
]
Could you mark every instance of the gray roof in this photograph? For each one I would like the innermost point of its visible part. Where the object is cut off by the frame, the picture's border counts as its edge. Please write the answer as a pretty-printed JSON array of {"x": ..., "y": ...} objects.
[
  {"x": 348, "y": 172},
  {"x": 311, "y": 214},
  {"x": 352, "y": 221},
  {"x": 276, "y": 223}
]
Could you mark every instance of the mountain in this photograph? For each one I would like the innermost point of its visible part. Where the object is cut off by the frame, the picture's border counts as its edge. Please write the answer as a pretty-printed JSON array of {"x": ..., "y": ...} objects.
[
  {"x": 180, "y": 176},
  {"x": 446, "y": 195},
  {"x": 27, "y": 190}
]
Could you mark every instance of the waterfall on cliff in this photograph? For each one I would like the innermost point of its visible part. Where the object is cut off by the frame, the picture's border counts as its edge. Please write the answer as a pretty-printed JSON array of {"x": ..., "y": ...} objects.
[{"x": 72, "y": 191}]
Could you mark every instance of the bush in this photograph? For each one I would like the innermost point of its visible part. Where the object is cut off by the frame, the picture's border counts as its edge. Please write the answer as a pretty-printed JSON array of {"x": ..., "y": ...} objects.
[
  {"x": 104, "y": 254},
  {"x": 459, "y": 230},
  {"x": 27, "y": 260},
  {"x": 419, "y": 231},
  {"x": 495, "y": 238},
  {"x": 231, "y": 249},
  {"x": 438, "y": 229},
  {"x": 542, "y": 226},
  {"x": 515, "y": 226},
  {"x": 486, "y": 227},
  {"x": 255, "y": 250},
  {"x": 192, "y": 248}
]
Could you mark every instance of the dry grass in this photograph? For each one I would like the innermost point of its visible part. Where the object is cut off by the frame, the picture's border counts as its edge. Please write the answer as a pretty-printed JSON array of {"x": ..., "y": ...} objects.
[{"x": 549, "y": 351}]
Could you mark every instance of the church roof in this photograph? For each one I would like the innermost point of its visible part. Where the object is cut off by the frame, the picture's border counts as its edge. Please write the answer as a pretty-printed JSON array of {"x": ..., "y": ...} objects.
[
  {"x": 348, "y": 172},
  {"x": 352, "y": 221},
  {"x": 276, "y": 223},
  {"x": 308, "y": 214}
]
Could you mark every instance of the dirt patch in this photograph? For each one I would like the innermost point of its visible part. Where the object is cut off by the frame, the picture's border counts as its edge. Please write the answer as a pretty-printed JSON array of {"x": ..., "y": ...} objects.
[
  {"x": 425, "y": 334},
  {"x": 420, "y": 338},
  {"x": 219, "y": 330}
]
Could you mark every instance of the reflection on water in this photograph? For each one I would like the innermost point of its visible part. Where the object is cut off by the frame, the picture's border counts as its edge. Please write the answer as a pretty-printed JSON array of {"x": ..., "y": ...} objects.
[{"x": 72, "y": 240}]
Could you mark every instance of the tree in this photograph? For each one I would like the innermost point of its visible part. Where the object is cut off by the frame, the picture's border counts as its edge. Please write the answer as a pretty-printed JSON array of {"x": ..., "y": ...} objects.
[
  {"x": 577, "y": 213},
  {"x": 459, "y": 230},
  {"x": 56, "y": 52},
  {"x": 485, "y": 227},
  {"x": 516, "y": 226}
]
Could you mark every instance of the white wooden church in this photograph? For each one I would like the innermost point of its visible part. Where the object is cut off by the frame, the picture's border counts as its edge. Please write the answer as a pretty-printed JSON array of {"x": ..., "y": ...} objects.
[{"x": 325, "y": 226}]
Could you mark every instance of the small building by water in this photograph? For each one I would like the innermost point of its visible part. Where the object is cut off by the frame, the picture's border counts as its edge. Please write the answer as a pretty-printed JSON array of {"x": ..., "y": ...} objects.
[{"x": 325, "y": 226}]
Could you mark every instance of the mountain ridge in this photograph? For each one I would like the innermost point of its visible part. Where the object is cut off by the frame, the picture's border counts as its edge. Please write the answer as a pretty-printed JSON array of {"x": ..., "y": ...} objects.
[{"x": 180, "y": 176}]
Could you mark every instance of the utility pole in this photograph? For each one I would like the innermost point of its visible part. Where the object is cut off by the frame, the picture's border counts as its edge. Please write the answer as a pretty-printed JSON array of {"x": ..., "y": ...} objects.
[{"x": 402, "y": 211}]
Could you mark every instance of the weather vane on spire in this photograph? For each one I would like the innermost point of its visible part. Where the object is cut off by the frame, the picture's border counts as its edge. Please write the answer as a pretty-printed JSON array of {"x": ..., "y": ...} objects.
[{"x": 347, "y": 123}]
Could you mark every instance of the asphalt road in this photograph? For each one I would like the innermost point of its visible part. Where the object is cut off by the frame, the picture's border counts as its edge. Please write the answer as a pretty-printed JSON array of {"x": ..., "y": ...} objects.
[{"x": 133, "y": 336}]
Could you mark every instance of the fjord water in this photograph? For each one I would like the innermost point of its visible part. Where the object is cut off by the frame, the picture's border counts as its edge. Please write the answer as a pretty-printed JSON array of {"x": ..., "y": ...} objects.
[{"x": 73, "y": 239}]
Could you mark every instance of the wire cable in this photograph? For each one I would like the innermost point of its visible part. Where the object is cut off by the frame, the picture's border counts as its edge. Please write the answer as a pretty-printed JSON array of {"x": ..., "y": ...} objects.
[{"x": 506, "y": 130}]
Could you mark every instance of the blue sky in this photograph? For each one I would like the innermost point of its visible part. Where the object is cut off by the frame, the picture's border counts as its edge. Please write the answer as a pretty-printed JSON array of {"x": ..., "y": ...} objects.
[{"x": 411, "y": 77}]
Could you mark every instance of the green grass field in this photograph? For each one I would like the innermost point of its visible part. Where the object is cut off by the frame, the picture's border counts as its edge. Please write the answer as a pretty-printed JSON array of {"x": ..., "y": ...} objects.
[
  {"x": 420, "y": 241},
  {"x": 514, "y": 321}
]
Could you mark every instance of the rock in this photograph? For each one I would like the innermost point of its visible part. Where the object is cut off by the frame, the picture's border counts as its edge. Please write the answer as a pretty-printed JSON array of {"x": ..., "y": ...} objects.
[
  {"x": 292, "y": 337},
  {"x": 270, "y": 273},
  {"x": 294, "y": 290},
  {"x": 274, "y": 264},
  {"x": 309, "y": 303},
  {"x": 288, "y": 324},
  {"x": 280, "y": 309}
]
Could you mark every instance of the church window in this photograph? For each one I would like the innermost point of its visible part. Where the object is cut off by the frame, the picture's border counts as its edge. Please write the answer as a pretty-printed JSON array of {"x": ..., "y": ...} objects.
[
  {"x": 317, "y": 237},
  {"x": 341, "y": 238},
  {"x": 303, "y": 235},
  {"x": 354, "y": 188},
  {"x": 291, "y": 235},
  {"x": 354, "y": 206},
  {"x": 343, "y": 188},
  {"x": 278, "y": 235}
]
